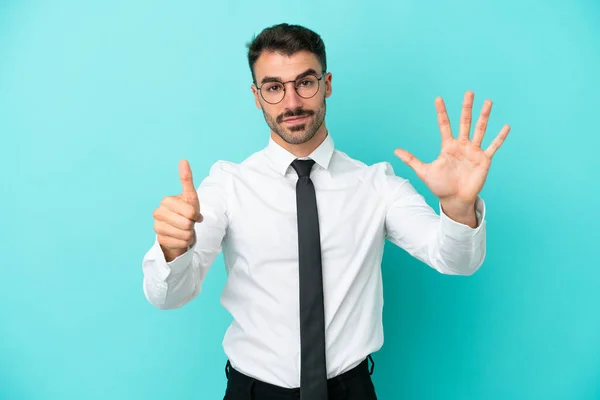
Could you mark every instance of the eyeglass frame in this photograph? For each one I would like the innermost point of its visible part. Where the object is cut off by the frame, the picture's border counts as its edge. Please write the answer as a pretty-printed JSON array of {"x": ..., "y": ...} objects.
[{"x": 295, "y": 87}]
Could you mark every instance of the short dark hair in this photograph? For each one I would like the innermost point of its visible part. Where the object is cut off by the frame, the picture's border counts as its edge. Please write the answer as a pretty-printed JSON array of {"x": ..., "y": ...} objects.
[{"x": 286, "y": 39}]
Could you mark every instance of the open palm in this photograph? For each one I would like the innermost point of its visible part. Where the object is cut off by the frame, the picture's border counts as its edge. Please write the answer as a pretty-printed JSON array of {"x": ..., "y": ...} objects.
[{"x": 460, "y": 171}]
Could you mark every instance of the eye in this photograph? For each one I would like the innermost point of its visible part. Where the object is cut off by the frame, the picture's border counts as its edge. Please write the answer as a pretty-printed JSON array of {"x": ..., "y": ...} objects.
[
  {"x": 273, "y": 87},
  {"x": 305, "y": 83}
]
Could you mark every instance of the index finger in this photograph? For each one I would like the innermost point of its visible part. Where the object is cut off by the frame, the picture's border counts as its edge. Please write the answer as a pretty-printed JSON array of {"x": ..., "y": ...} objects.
[{"x": 443, "y": 120}]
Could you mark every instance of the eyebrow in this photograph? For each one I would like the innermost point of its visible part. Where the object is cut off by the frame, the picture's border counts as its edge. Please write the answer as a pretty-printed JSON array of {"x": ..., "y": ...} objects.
[{"x": 266, "y": 79}]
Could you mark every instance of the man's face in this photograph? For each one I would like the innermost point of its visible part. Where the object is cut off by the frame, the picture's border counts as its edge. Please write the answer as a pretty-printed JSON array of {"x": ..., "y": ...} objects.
[{"x": 295, "y": 119}]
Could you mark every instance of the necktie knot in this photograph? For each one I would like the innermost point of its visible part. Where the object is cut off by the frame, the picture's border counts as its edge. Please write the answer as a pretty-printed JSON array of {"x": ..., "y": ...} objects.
[{"x": 303, "y": 167}]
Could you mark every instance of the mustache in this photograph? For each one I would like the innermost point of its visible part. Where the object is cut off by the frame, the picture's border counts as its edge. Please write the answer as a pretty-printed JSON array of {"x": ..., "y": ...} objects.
[{"x": 298, "y": 112}]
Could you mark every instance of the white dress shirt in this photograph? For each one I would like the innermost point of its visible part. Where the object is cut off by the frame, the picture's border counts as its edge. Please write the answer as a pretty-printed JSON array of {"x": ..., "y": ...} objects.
[{"x": 249, "y": 213}]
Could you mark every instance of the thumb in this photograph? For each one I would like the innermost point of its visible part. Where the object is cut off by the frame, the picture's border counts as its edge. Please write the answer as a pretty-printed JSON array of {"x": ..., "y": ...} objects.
[
  {"x": 189, "y": 193},
  {"x": 412, "y": 161}
]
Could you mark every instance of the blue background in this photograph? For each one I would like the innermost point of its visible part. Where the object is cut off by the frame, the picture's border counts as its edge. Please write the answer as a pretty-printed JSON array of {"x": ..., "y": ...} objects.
[{"x": 100, "y": 100}]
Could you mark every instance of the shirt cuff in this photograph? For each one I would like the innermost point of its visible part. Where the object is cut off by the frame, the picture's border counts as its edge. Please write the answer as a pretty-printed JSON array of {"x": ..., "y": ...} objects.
[
  {"x": 456, "y": 229},
  {"x": 164, "y": 268}
]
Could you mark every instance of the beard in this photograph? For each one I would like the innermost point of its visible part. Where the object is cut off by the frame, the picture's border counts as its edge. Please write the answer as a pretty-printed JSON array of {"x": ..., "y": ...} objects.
[{"x": 299, "y": 133}]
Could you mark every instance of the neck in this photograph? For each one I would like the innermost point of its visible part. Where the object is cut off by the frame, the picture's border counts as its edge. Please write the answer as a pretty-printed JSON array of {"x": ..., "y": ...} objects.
[{"x": 303, "y": 149}]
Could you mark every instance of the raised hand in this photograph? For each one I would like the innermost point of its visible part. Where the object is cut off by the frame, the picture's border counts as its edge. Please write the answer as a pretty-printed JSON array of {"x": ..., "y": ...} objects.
[
  {"x": 457, "y": 176},
  {"x": 175, "y": 218}
]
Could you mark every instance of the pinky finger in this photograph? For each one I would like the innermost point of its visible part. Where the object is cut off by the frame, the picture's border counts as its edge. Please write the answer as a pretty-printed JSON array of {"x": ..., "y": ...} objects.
[
  {"x": 171, "y": 243},
  {"x": 497, "y": 142}
]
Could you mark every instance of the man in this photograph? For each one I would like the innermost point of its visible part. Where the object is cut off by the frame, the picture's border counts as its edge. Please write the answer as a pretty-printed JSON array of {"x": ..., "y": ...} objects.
[{"x": 302, "y": 227}]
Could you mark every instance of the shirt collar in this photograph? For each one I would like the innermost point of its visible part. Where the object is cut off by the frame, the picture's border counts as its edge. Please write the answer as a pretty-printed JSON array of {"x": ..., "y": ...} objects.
[{"x": 281, "y": 158}]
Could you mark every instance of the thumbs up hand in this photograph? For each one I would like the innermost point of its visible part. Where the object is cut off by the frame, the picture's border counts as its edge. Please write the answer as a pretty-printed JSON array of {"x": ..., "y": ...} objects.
[{"x": 176, "y": 216}]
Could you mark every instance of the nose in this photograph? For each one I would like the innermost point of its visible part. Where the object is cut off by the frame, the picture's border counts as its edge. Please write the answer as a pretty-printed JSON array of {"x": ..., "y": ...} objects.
[{"x": 291, "y": 100}]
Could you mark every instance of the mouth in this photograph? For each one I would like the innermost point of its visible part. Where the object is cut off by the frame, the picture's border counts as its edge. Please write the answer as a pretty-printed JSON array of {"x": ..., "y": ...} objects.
[{"x": 295, "y": 120}]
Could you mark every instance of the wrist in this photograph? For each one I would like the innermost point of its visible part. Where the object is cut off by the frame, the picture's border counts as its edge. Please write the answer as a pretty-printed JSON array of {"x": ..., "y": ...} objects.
[
  {"x": 460, "y": 211},
  {"x": 171, "y": 254}
]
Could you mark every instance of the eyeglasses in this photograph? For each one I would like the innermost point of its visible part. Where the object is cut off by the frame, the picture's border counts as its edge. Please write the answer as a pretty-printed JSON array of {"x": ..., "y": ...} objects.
[{"x": 306, "y": 87}]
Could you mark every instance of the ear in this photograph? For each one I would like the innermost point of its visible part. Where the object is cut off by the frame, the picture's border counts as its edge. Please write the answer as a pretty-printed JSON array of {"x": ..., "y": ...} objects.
[
  {"x": 327, "y": 80},
  {"x": 256, "y": 99}
]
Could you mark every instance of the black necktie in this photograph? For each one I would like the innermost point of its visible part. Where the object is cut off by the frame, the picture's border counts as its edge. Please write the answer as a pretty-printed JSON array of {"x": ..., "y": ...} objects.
[{"x": 313, "y": 371}]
